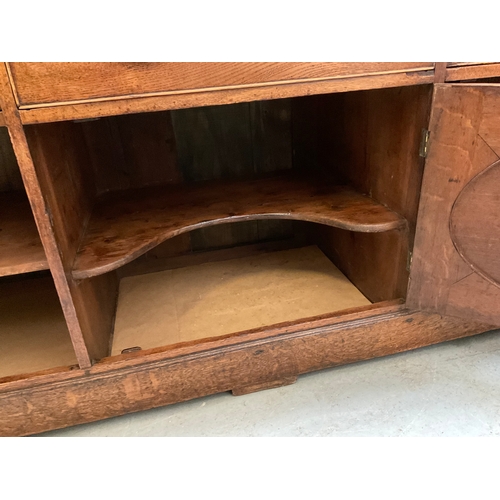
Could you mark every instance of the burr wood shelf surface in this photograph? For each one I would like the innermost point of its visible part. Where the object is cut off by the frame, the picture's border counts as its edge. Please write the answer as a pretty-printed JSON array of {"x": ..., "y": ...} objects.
[
  {"x": 21, "y": 250},
  {"x": 124, "y": 225}
]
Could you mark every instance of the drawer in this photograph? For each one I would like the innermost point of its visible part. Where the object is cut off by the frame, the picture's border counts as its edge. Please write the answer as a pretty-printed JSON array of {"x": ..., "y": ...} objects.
[
  {"x": 471, "y": 71},
  {"x": 49, "y": 83}
]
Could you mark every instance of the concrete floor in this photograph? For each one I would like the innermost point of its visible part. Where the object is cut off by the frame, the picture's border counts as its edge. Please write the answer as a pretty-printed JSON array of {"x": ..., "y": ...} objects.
[{"x": 452, "y": 389}]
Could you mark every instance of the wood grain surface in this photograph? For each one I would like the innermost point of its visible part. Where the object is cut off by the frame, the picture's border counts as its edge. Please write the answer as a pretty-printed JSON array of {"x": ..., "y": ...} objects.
[
  {"x": 41, "y": 211},
  {"x": 2, "y": 120},
  {"x": 126, "y": 224},
  {"x": 224, "y": 142},
  {"x": 472, "y": 71},
  {"x": 137, "y": 382},
  {"x": 489, "y": 130},
  {"x": 124, "y": 106},
  {"x": 459, "y": 64},
  {"x": 455, "y": 120},
  {"x": 21, "y": 249},
  {"x": 130, "y": 151},
  {"x": 446, "y": 282},
  {"x": 440, "y": 72},
  {"x": 227, "y": 142},
  {"x": 362, "y": 257},
  {"x": 64, "y": 171},
  {"x": 479, "y": 244},
  {"x": 44, "y": 83},
  {"x": 371, "y": 141}
]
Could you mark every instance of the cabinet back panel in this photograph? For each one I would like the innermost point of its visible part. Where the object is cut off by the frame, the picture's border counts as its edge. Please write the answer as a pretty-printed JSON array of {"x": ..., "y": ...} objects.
[
  {"x": 132, "y": 151},
  {"x": 221, "y": 142},
  {"x": 217, "y": 142},
  {"x": 10, "y": 177}
]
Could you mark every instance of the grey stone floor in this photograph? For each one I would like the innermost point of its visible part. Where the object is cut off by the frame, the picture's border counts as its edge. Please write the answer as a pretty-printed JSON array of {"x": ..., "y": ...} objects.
[{"x": 452, "y": 389}]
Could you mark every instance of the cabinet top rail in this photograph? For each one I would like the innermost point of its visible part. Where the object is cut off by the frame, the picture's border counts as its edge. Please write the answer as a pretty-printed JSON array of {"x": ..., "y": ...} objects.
[{"x": 48, "y": 92}]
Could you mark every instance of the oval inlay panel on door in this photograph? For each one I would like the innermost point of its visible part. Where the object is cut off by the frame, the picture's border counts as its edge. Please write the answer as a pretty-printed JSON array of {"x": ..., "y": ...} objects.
[{"x": 475, "y": 223}]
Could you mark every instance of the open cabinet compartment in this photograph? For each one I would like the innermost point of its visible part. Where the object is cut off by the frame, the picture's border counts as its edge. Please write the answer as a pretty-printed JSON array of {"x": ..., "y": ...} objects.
[
  {"x": 33, "y": 331},
  {"x": 21, "y": 250},
  {"x": 329, "y": 180}
]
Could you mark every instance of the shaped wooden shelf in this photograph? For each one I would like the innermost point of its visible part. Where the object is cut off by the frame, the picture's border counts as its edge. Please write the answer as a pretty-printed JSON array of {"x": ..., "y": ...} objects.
[
  {"x": 21, "y": 250},
  {"x": 125, "y": 225}
]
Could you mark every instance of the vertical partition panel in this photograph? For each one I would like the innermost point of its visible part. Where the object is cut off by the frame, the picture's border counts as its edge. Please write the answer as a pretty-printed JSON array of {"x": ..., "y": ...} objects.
[
  {"x": 65, "y": 175},
  {"x": 47, "y": 193}
]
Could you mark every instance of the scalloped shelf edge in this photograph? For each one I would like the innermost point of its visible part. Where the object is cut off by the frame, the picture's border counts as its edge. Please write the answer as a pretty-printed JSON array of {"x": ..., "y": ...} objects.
[{"x": 144, "y": 218}]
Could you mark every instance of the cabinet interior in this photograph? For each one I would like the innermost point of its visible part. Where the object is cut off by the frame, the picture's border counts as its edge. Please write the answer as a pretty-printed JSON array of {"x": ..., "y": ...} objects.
[
  {"x": 21, "y": 250},
  {"x": 33, "y": 331},
  {"x": 209, "y": 221}
]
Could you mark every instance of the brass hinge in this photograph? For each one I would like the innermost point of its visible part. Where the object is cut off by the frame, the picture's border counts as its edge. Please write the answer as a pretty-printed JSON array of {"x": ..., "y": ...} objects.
[{"x": 424, "y": 143}]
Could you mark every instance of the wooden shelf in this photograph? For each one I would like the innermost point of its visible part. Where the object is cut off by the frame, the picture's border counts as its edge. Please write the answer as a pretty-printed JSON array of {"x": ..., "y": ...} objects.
[
  {"x": 125, "y": 225},
  {"x": 21, "y": 250},
  {"x": 33, "y": 332}
]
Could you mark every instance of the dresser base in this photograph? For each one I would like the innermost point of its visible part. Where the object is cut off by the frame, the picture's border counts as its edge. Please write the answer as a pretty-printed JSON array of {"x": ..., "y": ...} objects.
[{"x": 138, "y": 381}]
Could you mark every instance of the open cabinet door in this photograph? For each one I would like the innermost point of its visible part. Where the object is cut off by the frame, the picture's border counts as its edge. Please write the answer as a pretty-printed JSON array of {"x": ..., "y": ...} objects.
[{"x": 456, "y": 259}]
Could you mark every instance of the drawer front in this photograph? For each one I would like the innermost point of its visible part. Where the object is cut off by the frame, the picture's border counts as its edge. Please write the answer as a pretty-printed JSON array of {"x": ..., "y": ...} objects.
[
  {"x": 471, "y": 71},
  {"x": 50, "y": 83}
]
